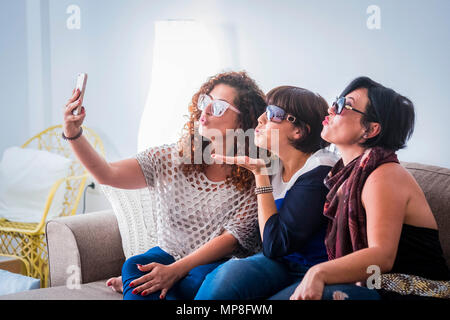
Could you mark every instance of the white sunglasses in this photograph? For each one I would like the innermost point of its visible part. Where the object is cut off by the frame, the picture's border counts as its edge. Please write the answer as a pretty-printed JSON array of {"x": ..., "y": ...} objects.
[{"x": 218, "y": 107}]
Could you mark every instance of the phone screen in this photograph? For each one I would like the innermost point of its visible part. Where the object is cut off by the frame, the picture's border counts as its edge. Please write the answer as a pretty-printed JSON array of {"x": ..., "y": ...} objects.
[{"x": 81, "y": 84}]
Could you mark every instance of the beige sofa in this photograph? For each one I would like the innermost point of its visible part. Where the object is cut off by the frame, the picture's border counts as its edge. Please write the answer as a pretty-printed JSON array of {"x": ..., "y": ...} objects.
[{"x": 92, "y": 243}]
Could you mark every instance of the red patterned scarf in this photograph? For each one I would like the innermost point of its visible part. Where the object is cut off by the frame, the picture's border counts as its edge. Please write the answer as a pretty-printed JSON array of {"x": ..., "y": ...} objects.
[{"x": 347, "y": 230}]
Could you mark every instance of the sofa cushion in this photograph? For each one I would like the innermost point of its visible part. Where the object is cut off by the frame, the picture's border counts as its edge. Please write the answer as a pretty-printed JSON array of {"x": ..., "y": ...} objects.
[
  {"x": 26, "y": 178},
  {"x": 14, "y": 282},
  {"x": 435, "y": 183},
  {"x": 90, "y": 291}
]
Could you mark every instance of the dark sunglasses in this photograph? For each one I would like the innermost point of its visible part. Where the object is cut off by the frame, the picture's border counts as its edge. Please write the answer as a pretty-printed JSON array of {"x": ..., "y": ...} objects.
[
  {"x": 341, "y": 103},
  {"x": 277, "y": 114}
]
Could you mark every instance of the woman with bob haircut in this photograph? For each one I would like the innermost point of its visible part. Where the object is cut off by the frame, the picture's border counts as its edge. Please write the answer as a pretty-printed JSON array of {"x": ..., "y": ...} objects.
[
  {"x": 290, "y": 204},
  {"x": 204, "y": 212},
  {"x": 378, "y": 216}
]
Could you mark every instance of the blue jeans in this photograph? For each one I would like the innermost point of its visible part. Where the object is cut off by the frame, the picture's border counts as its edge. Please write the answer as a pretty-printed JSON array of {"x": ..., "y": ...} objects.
[
  {"x": 334, "y": 292},
  {"x": 184, "y": 289},
  {"x": 254, "y": 277}
]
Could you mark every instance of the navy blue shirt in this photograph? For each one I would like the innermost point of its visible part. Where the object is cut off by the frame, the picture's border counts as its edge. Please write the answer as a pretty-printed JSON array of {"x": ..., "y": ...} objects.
[{"x": 297, "y": 232}]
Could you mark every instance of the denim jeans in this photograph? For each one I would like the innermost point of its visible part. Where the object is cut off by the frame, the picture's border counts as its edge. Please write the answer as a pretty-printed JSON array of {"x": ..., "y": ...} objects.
[
  {"x": 254, "y": 277},
  {"x": 334, "y": 292},
  {"x": 184, "y": 289}
]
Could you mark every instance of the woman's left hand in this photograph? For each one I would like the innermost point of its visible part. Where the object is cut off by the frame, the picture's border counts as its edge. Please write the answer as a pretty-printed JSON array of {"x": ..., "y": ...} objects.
[
  {"x": 257, "y": 166},
  {"x": 311, "y": 287},
  {"x": 159, "y": 277}
]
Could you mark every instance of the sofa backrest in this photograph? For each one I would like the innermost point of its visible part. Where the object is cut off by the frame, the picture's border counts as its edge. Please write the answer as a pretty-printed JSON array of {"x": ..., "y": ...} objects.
[{"x": 435, "y": 183}]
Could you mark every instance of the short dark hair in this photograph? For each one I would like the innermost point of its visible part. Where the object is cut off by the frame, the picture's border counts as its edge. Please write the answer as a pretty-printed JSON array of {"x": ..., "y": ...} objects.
[
  {"x": 394, "y": 113},
  {"x": 310, "y": 110}
]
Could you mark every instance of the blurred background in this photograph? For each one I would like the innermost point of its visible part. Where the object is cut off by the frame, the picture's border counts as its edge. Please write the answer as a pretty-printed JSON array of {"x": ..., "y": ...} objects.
[{"x": 146, "y": 58}]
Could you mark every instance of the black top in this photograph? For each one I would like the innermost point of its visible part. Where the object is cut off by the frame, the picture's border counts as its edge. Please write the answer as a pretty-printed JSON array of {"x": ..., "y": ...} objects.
[{"x": 419, "y": 253}]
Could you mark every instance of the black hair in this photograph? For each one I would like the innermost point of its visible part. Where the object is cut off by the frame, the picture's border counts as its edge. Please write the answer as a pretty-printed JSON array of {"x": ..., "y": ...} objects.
[
  {"x": 394, "y": 113},
  {"x": 309, "y": 109}
]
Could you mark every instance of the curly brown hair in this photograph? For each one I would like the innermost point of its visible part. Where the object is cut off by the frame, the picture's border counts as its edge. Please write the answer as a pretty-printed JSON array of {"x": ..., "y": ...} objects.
[{"x": 250, "y": 100}]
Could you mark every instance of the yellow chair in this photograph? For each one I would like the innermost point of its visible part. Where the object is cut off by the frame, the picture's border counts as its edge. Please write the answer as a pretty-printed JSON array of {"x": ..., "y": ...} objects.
[{"x": 26, "y": 241}]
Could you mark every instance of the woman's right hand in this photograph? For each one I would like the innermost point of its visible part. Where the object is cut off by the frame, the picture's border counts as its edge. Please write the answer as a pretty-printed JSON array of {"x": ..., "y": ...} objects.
[{"x": 73, "y": 123}]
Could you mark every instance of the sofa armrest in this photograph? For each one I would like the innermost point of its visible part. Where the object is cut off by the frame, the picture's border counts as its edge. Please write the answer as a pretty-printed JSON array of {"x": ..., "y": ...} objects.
[{"x": 85, "y": 247}]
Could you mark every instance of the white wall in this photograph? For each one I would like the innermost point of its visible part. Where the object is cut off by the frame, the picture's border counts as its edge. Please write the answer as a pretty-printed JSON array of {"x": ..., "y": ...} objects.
[
  {"x": 319, "y": 45},
  {"x": 13, "y": 69}
]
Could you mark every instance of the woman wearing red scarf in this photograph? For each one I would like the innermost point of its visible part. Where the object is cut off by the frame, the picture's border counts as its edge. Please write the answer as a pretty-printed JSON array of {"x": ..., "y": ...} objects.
[{"x": 379, "y": 218}]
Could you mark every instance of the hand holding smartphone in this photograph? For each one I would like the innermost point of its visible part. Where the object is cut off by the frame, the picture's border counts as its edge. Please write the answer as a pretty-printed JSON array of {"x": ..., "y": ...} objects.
[{"x": 81, "y": 85}]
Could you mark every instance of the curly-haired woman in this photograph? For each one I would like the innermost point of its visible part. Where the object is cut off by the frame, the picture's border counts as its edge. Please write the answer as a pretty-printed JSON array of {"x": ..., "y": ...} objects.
[{"x": 204, "y": 212}]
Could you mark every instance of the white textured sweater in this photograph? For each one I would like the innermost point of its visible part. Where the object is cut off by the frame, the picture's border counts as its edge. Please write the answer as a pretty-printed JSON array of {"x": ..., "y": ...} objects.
[{"x": 188, "y": 211}]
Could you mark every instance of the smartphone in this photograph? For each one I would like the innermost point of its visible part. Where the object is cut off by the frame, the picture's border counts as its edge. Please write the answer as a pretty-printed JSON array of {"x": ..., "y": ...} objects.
[{"x": 81, "y": 84}]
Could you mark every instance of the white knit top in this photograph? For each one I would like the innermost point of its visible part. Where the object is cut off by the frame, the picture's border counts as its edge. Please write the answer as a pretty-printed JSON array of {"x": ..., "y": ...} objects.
[{"x": 188, "y": 211}]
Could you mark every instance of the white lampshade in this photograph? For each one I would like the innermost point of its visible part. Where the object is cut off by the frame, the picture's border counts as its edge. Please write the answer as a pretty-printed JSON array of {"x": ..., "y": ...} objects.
[{"x": 185, "y": 54}]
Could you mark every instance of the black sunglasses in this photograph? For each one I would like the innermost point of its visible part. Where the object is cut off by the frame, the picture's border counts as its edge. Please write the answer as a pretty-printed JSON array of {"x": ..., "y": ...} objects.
[{"x": 341, "y": 103}]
